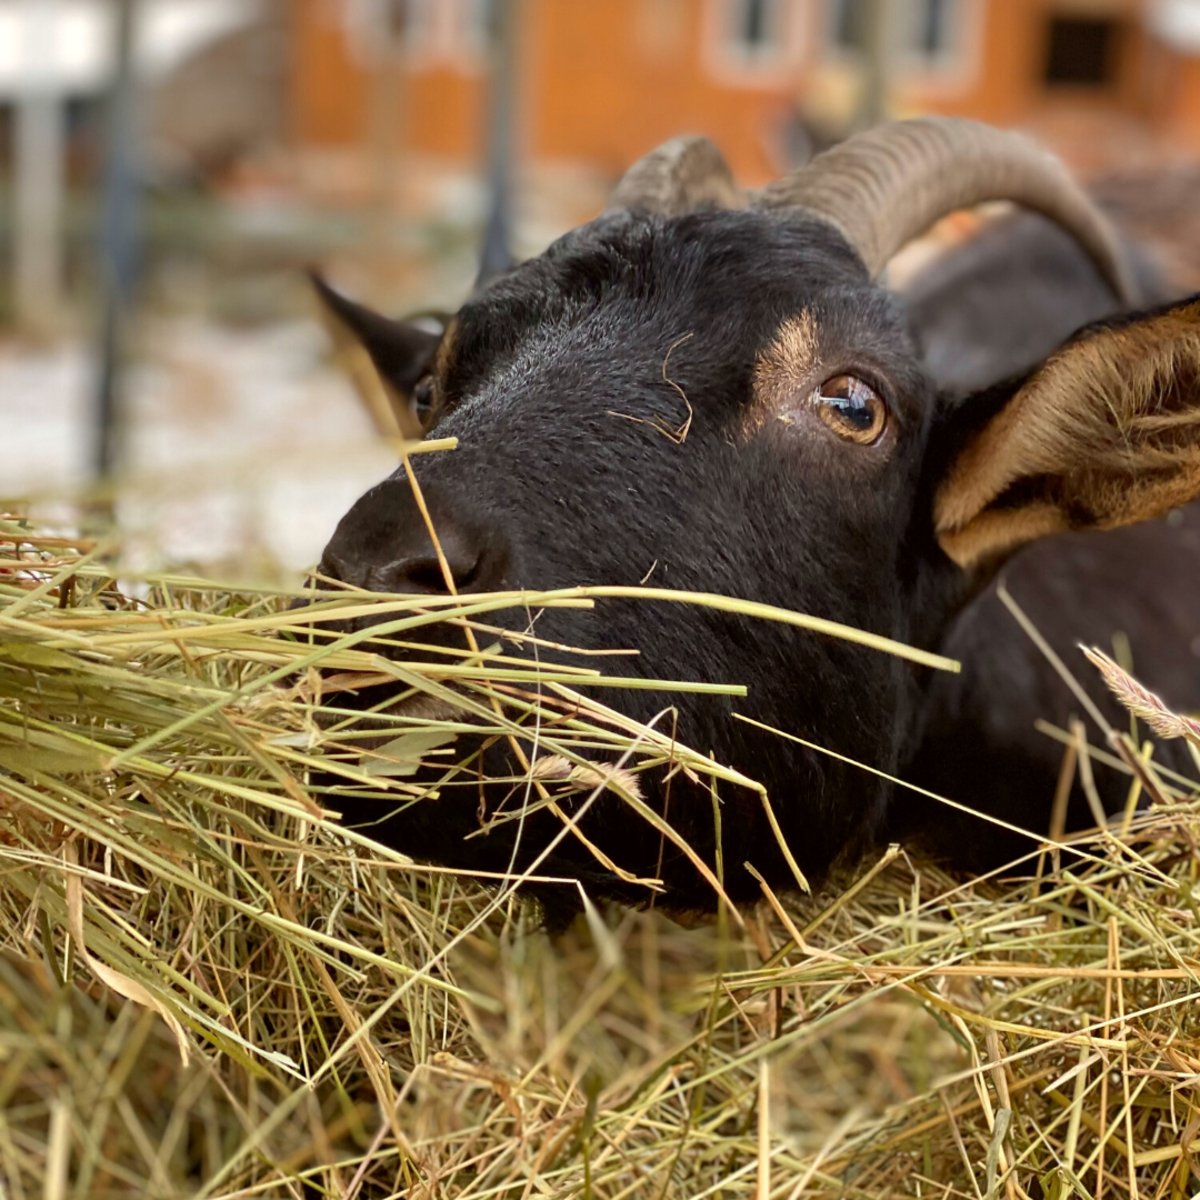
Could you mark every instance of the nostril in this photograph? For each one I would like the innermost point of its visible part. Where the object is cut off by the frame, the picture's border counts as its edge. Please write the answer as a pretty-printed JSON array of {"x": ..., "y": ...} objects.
[{"x": 423, "y": 573}]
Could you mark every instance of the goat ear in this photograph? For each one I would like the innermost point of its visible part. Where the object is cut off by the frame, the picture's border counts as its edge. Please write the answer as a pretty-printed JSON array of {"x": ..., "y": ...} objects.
[
  {"x": 385, "y": 359},
  {"x": 1105, "y": 433}
]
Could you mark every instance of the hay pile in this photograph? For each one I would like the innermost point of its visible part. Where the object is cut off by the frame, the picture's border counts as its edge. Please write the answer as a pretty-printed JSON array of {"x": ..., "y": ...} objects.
[{"x": 208, "y": 989}]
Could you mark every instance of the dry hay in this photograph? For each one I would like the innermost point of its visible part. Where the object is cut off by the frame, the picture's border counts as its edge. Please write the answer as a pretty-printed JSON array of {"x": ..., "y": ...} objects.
[{"x": 208, "y": 989}]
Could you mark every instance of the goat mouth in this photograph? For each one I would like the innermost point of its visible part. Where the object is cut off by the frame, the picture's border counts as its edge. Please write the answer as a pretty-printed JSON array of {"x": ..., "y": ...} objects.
[
  {"x": 381, "y": 719},
  {"x": 423, "y": 707}
]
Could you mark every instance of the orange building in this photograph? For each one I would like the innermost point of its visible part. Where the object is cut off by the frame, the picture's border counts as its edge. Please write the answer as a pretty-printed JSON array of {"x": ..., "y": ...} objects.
[{"x": 601, "y": 81}]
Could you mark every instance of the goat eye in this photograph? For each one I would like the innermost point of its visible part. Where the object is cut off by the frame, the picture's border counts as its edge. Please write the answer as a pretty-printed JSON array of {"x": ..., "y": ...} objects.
[
  {"x": 852, "y": 409},
  {"x": 422, "y": 399}
]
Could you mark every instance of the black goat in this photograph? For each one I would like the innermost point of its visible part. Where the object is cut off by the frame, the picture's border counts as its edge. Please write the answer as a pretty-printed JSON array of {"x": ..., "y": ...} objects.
[{"x": 822, "y": 471}]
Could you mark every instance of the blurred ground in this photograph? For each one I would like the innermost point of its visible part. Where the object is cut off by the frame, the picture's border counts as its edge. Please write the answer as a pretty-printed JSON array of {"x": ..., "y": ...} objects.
[
  {"x": 242, "y": 443},
  {"x": 244, "y": 446}
]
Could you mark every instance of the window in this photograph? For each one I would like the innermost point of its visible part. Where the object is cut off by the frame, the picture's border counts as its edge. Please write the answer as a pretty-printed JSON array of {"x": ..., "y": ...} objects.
[
  {"x": 1081, "y": 52},
  {"x": 402, "y": 21},
  {"x": 381, "y": 27},
  {"x": 753, "y": 33},
  {"x": 481, "y": 23},
  {"x": 933, "y": 28},
  {"x": 752, "y": 43},
  {"x": 850, "y": 24},
  {"x": 924, "y": 31},
  {"x": 396, "y": 18},
  {"x": 756, "y": 28}
]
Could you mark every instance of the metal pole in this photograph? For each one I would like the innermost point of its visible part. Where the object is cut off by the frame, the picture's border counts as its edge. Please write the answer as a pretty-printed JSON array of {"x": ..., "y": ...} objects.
[
  {"x": 39, "y": 153},
  {"x": 119, "y": 226},
  {"x": 383, "y": 142},
  {"x": 497, "y": 238}
]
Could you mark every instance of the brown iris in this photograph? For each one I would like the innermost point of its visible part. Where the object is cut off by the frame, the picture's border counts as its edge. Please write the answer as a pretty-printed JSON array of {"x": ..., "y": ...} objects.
[{"x": 852, "y": 409}]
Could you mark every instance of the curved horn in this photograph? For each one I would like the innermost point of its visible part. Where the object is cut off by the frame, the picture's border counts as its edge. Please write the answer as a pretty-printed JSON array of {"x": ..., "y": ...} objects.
[
  {"x": 886, "y": 186},
  {"x": 678, "y": 177}
]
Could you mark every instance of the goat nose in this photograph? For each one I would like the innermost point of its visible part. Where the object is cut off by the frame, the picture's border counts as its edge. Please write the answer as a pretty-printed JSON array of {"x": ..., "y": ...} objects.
[
  {"x": 383, "y": 545},
  {"x": 420, "y": 570}
]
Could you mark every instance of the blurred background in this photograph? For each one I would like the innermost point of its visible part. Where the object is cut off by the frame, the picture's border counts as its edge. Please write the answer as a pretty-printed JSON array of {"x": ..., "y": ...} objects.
[{"x": 170, "y": 168}]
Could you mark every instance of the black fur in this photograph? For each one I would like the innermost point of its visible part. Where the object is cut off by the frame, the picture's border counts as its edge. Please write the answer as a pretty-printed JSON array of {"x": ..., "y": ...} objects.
[{"x": 553, "y": 485}]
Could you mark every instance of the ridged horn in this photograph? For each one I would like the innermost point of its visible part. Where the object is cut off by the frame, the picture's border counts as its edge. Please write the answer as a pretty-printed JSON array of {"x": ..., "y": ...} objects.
[
  {"x": 679, "y": 177},
  {"x": 884, "y": 187}
]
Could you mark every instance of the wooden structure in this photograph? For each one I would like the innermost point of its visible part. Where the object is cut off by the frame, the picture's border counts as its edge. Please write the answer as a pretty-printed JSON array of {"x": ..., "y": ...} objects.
[{"x": 603, "y": 80}]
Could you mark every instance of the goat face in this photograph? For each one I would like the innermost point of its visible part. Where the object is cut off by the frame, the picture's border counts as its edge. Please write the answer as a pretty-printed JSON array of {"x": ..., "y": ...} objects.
[{"x": 725, "y": 402}]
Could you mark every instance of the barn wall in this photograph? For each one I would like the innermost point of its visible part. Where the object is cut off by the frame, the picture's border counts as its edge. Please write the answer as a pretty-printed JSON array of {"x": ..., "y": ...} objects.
[{"x": 603, "y": 80}]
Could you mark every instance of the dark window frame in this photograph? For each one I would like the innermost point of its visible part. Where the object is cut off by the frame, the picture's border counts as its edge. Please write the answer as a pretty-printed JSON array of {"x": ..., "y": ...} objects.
[
  {"x": 756, "y": 29},
  {"x": 935, "y": 32},
  {"x": 1082, "y": 52}
]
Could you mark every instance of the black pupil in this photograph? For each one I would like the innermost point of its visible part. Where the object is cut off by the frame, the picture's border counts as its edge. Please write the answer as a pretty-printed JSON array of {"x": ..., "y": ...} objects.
[{"x": 851, "y": 399}]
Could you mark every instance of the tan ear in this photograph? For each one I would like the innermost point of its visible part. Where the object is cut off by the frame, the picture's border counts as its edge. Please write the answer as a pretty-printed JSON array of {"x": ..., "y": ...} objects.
[{"x": 1105, "y": 433}]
